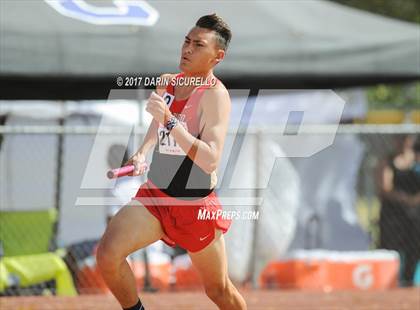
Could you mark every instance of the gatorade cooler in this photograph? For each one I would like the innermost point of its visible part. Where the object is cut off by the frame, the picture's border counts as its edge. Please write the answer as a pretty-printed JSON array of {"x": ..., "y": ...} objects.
[{"x": 331, "y": 270}]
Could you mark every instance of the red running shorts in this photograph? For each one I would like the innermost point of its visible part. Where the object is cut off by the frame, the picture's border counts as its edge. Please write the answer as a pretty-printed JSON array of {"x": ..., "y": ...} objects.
[{"x": 180, "y": 219}]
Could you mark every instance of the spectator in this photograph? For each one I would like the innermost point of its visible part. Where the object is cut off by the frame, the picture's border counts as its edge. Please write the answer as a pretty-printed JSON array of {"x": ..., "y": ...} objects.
[{"x": 399, "y": 192}]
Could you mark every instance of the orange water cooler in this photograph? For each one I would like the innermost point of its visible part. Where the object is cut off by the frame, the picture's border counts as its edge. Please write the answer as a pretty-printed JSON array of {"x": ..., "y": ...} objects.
[{"x": 332, "y": 270}]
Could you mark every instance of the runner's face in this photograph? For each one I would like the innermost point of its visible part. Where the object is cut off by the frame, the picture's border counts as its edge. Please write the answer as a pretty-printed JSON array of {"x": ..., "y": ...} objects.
[{"x": 200, "y": 52}]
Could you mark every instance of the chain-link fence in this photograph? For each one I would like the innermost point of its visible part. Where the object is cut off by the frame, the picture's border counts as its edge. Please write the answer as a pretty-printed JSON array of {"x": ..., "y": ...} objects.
[{"x": 360, "y": 192}]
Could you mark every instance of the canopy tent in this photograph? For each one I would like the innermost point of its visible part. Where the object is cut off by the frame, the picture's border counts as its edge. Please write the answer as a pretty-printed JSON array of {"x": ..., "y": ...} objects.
[{"x": 76, "y": 49}]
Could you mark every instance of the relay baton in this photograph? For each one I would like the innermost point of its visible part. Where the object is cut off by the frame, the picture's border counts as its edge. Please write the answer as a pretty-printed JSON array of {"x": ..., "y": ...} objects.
[{"x": 123, "y": 171}]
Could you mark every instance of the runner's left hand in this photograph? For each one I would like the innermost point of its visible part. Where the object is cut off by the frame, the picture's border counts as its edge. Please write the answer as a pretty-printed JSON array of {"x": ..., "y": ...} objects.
[{"x": 157, "y": 107}]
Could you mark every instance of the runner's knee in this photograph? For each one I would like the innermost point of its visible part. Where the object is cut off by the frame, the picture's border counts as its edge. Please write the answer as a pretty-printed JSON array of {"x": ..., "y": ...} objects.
[
  {"x": 218, "y": 290},
  {"x": 108, "y": 257}
]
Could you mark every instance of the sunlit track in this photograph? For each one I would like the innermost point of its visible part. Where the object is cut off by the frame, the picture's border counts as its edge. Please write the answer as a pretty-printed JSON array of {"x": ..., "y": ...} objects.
[{"x": 268, "y": 300}]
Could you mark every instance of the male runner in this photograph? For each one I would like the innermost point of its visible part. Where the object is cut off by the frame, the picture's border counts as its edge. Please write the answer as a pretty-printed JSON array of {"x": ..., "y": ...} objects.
[{"x": 188, "y": 131}]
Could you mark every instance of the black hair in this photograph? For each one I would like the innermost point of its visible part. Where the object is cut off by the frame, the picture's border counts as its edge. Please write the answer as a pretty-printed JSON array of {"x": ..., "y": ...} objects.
[{"x": 219, "y": 26}]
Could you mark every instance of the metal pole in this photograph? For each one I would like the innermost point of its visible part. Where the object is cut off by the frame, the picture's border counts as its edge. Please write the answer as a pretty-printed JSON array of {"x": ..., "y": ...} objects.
[
  {"x": 58, "y": 176},
  {"x": 254, "y": 260},
  {"x": 147, "y": 282}
]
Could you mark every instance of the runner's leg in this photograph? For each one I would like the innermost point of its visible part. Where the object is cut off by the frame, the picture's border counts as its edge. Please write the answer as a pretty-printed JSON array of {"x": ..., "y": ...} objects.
[
  {"x": 211, "y": 263},
  {"x": 132, "y": 228}
]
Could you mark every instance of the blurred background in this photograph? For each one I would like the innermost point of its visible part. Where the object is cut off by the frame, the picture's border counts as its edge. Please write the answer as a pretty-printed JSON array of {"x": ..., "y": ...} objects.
[{"x": 342, "y": 214}]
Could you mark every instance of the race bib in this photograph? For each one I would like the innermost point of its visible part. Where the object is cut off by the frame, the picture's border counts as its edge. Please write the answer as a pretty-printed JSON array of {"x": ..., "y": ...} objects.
[
  {"x": 167, "y": 143},
  {"x": 168, "y": 99}
]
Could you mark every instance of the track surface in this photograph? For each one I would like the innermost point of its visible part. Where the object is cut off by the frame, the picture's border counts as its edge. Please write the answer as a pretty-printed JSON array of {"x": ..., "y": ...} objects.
[{"x": 393, "y": 299}]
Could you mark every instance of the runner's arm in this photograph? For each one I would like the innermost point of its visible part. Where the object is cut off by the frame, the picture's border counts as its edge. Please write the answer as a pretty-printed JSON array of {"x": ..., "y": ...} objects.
[
  {"x": 150, "y": 138},
  {"x": 207, "y": 151}
]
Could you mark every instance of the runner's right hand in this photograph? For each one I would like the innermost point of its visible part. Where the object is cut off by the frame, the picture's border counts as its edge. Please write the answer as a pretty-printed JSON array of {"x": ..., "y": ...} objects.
[{"x": 138, "y": 159}]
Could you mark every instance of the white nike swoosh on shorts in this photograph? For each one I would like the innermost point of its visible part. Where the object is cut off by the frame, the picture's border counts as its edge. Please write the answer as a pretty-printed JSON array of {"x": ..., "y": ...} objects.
[{"x": 203, "y": 238}]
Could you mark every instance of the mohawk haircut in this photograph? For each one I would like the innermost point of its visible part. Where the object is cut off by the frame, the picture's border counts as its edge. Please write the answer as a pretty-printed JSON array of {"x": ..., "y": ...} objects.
[{"x": 219, "y": 26}]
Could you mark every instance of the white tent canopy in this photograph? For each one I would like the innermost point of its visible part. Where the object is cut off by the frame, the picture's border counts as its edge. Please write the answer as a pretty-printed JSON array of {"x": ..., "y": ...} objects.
[{"x": 275, "y": 43}]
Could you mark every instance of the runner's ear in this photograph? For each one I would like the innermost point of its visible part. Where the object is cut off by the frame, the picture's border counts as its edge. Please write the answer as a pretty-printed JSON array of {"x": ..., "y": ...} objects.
[{"x": 220, "y": 56}]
